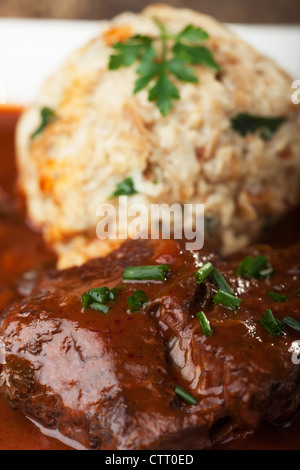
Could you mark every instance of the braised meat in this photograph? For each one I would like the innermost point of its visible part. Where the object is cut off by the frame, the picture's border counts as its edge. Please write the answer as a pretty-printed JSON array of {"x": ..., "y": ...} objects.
[{"x": 109, "y": 379}]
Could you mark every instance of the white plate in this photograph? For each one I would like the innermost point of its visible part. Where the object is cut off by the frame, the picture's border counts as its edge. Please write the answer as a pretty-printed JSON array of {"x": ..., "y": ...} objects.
[{"x": 31, "y": 50}]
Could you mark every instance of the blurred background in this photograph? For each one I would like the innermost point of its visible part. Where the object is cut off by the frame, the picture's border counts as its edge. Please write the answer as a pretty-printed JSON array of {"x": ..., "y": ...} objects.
[
  {"x": 31, "y": 50},
  {"x": 233, "y": 11}
]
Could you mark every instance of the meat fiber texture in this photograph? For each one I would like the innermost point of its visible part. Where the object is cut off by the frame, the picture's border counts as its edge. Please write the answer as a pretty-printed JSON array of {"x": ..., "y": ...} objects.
[
  {"x": 108, "y": 381},
  {"x": 104, "y": 133}
]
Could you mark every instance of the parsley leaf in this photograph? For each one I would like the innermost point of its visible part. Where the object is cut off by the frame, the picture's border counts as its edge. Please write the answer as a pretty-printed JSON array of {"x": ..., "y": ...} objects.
[
  {"x": 193, "y": 34},
  {"x": 172, "y": 59},
  {"x": 129, "y": 51},
  {"x": 246, "y": 124},
  {"x": 196, "y": 55},
  {"x": 163, "y": 93},
  {"x": 147, "y": 71},
  {"x": 125, "y": 188},
  {"x": 179, "y": 68},
  {"x": 47, "y": 116}
]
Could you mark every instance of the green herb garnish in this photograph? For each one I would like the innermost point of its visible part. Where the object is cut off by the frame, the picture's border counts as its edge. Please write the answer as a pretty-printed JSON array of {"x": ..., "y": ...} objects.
[
  {"x": 294, "y": 324},
  {"x": 146, "y": 273},
  {"x": 203, "y": 273},
  {"x": 95, "y": 298},
  {"x": 125, "y": 188},
  {"x": 158, "y": 65},
  {"x": 208, "y": 270},
  {"x": 100, "y": 307},
  {"x": 85, "y": 299},
  {"x": 47, "y": 116},
  {"x": 185, "y": 395},
  {"x": 277, "y": 297},
  {"x": 137, "y": 300},
  {"x": 228, "y": 300},
  {"x": 247, "y": 124},
  {"x": 264, "y": 273},
  {"x": 220, "y": 282},
  {"x": 254, "y": 267},
  {"x": 274, "y": 326},
  {"x": 103, "y": 294},
  {"x": 205, "y": 325},
  {"x": 298, "y": 292}
]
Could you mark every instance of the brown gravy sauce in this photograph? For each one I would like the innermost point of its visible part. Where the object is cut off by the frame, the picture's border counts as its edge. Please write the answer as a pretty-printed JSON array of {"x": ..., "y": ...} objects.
[{"x": 22, "y": 250}]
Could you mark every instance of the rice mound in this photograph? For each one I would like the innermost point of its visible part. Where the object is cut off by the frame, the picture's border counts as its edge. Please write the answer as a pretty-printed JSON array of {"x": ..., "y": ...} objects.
[{"x": 104, "y": 133}]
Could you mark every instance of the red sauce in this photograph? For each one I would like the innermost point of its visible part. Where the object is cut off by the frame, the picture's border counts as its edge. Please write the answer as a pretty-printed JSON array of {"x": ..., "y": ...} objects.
[{"x": 22, "y": 250}]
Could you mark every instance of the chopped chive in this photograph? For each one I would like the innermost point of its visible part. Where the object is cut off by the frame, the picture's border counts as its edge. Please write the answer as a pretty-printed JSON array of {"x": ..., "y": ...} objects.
[
  {"x": 103, "y": 294},
  {"x": 137, "y": 300},
  {"x": 204, "y": 272},
  {"x": 185, "y": 395},
  {"x": 254, "y": 267},
  {"x": 244, "y": 265},
  {"x": 146, "y": 273},
  {"x": 220, "y": 281},
  {"x": 274, "y": 326},
  {"x": 228, "y": 300},
  {"x": 96, "y": 297},
  {"x": 208, "y": 270},
  {"x": 264, "y": 273},
  {"x": 99, "y": 294},
  {"x": 100, "y": 307},
  {"x": 298, "y": 292},
  {"x": 205, "y": 325},
  {"x": 113, "y": 293},
  {"x": 295, "y": 324},
  {"x": 277, "y": 297},
  {"x": 85, "y": 298}
]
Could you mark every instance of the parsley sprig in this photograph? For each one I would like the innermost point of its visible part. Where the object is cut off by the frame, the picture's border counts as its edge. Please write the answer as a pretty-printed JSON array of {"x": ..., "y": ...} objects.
[
  {"x": 47, "y": 117},
  {"x": 125, "y": 188},
  {"x": 159, "y": 65}
]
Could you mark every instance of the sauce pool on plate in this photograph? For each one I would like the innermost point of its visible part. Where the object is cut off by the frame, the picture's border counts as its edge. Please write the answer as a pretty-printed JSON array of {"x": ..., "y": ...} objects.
[{"x": 21, "y": 250}]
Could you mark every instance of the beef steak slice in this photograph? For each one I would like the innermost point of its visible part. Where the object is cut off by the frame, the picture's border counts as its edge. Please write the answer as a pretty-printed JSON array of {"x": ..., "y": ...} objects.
[{"x": 107, "y": 380}]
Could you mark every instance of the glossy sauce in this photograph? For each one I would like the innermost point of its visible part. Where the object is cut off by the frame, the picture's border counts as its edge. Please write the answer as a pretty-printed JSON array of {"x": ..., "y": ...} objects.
[{"x": 22, "y": 250}]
